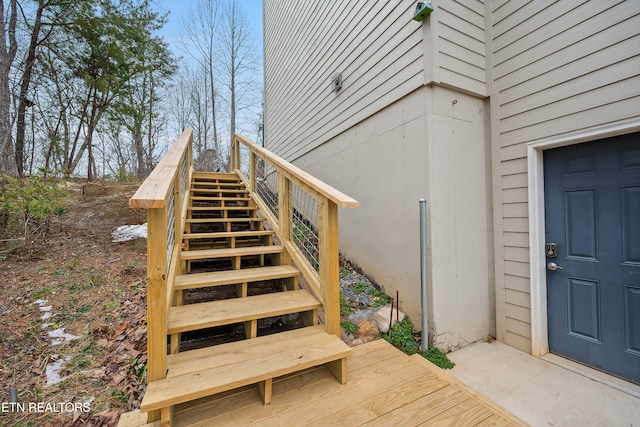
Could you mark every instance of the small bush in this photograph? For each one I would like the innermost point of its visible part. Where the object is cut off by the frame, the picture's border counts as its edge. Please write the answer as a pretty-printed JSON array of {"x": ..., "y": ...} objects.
[
  {"x": 27, "y": 205},
  {"x": 403, "y": 338}
]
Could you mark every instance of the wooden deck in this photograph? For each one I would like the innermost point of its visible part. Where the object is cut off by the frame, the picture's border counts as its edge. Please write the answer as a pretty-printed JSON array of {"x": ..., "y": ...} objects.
[{"x": 385, "y": 388}]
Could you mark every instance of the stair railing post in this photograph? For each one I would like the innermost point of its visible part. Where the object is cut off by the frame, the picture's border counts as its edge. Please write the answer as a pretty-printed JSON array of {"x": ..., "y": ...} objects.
[
  {"x": 156, "y": 297},
  {"x": 329, "y": 264},
  {"x": 284, "y": 206},
  {"x": 252, "y": 171}
]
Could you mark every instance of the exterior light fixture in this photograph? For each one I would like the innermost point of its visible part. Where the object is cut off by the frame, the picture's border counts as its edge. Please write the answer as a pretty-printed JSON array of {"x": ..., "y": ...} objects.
[
  {"x": 423, "y": 9},
  {"x": 336, "y": 82}
]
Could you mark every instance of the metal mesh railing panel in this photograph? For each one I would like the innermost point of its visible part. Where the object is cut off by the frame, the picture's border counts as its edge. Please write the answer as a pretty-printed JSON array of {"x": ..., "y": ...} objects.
[
  {"x": 304, "y": 224},
  {"x": 171, "y": 227},
  {"x": 267, "y": 185}
]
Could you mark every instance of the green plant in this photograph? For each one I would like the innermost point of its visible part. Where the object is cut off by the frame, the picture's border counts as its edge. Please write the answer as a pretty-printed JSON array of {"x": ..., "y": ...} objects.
[
  {"x": 379, "y": 298},
  {"x": 403, "y": 338},
  {"x": 345, "y": 308},
  {"x": 120, "y": 395},
  {"x": 349, "y": 326},
  {"x": 28, "y": 204},
  {"x": 360, "y": 287}
]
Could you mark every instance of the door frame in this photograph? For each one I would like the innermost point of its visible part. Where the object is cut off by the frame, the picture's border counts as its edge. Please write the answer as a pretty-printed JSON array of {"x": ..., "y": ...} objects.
[{"x": 537, "y": 259}]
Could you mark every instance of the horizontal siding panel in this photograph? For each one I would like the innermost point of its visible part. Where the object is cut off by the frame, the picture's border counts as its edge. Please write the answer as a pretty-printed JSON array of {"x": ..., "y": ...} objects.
[
  {"x": 516, "y": 283},
  {"x": 518, "y": 180},
  {"x": 300, "y": 108},
  {"x": 461, "y": 47},
  {"x": 518, "y": 327},
  {"x": 471, "y": 11},
  {"x": 503, "y": 9},
  {"x": 518, "y": 312},
  {"x": 516, "y": 239},
  {"x": 358, "y": 85},
  {"x": 516, "y": 254},
  {"x": 515, "y": 210},
  {"x": 464, "y": 50},
  {"x": 385, "y": 90},
  {"x": 518, "y": 341},
  {"x": 455, "y": 79},
  {"x": 514, "y": 166},
  {"x": 447, "y": 15},
  {"x": 576, "y": 104},
  {"x": 522, "y": 299},
  {"x": 625, "y": 109},
  {"x": 602, "y": 78},
  {"x": 572, "y": 30},
  {"x": 515, "y": 195},
  {"x": 511, "y": 152},
  {"x": 518, "y": 225},
  {"x": 553, "y": 74},
  {"x": 520, "y": 269},
  {"x": 534, "y": 17}
]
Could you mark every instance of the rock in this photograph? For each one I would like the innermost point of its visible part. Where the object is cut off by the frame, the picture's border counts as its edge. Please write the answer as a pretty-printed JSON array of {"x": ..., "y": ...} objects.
[
  {"x": 367, "y": 331},
  {"x": 381, "y": 318},
  {"x": 356, "y": 342},
  {"x": 360, "y": 315}
]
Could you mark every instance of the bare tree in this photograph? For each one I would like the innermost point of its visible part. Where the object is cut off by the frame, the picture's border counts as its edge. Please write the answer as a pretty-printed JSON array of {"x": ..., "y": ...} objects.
[
  {"x": 8, "y": 50},
  {"x": 237, "y": 63},
  {"x": 201, "y": 30}
]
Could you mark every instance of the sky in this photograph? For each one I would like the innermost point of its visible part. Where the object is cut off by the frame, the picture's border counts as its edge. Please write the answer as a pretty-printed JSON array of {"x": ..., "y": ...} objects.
[{"x": 178, "y": 9}]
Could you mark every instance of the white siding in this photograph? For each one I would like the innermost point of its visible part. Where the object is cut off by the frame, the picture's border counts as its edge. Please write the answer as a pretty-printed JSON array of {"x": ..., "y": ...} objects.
[
  {"x": 376, "y": 47},
  {"x": 380, "y": 52},
  {"x": 460, "y": 45},
  {"x": 558, "y": 67}
]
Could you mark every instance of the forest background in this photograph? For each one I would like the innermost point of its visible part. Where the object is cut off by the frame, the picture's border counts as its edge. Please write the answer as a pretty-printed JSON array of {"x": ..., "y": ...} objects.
[{"x": 101, "y": 88}]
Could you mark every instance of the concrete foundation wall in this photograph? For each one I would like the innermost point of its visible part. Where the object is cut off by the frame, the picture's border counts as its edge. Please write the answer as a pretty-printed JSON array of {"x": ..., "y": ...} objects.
[{"x": 426, "y": 145}]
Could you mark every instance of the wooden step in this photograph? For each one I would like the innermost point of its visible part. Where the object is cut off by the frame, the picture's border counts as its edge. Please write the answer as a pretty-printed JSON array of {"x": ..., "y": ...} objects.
[
  {"x": 227, "y": 234},
  {"x": 203, "y": 315},
  {"x": 231, "y": 277},
  {"x": 219, "y": 220},
  {"x": 231, "y": 252},
  {"x": 215, "y": 175},
  {"x": 221, "y": 208},
  {"x": 218, "y": 184},
  {"x": 221, "y": 191},
  {"x": 199, "y": 373},
  {"x": 219, "y": 198}
]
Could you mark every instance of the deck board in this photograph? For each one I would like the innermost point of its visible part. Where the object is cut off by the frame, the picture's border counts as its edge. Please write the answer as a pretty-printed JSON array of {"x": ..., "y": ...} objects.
[{"x": 384, "y": 388}]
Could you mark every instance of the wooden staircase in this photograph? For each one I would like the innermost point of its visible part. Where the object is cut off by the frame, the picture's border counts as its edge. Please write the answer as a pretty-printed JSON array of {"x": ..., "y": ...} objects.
[
  {"x": 225, "y": 244},
  {"x": 225, "y": 305}
]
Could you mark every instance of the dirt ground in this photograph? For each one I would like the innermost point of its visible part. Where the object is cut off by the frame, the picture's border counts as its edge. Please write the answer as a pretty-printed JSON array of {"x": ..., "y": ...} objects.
[{"x": 95, "y": 289}]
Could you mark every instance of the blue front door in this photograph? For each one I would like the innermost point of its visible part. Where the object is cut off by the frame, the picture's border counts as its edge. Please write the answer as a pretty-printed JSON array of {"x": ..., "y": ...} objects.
[{"x": 592, "y": 214}]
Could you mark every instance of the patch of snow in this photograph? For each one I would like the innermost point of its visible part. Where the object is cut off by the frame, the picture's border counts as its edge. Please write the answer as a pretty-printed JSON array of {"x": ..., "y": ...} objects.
[
  {"x": 61, "y": 337},
  {"x": 129, "y": 232},
  {"x": 53, "y": 369},
  {"x": 41, "y": 302},
  {"x": 46, "y": 316}
]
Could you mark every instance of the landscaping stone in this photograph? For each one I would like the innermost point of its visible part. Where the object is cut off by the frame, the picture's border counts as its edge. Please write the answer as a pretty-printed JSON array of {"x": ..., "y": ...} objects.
[
  {"x": 381, "y": 318},
  {"x": 360, "y": 315},
  {"x": 367, "y": 331}
]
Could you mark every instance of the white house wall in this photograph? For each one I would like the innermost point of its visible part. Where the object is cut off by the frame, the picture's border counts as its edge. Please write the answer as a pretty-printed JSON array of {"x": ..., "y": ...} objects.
[{"x": 559, "y": 68}]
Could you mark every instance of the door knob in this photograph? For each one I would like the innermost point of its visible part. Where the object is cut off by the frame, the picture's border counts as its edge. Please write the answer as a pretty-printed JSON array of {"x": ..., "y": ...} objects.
[{"x": 552, "y": 266}]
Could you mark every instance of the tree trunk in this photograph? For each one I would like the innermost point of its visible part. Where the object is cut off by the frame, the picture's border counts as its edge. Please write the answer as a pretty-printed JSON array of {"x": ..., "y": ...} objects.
[
  {"x": 7, "y": 55},
  {"x": 24, "y": 89}
]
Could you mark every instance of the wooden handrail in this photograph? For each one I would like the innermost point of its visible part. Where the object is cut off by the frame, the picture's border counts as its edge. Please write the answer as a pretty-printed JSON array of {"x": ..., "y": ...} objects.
[
  {"x": 323, "y": 273},
  {"x": 166, "y": 188},
  {"x": 154, "y": 191},
  {"x": 314, "y": 183}
]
